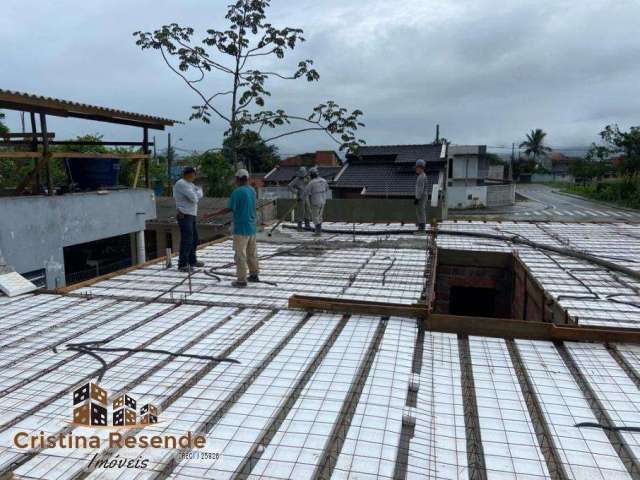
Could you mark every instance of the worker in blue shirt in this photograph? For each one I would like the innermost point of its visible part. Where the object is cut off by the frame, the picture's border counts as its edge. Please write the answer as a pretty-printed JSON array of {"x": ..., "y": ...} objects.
[{"x": 243, "y": 205}]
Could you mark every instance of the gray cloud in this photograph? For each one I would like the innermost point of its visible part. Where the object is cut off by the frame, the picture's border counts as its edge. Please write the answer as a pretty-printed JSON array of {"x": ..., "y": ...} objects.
[{"x": 487, "y": 71}]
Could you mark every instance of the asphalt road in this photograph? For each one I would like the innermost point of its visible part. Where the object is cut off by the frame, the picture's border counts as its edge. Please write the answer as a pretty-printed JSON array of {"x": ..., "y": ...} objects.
[{"x": 545, "y": 203}]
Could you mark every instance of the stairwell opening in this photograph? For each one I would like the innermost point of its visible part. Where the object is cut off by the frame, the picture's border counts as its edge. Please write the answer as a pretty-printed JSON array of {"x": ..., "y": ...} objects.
[{"x": 477, "y": 284}]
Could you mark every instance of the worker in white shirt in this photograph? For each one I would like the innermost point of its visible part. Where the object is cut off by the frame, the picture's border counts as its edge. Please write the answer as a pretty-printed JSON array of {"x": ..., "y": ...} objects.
[
  {"x": 297, "y": 186},
  {"x": 187, "y": 195},
  {"x": 316, "y": 192},
  {"x": 421, "y": 196}
]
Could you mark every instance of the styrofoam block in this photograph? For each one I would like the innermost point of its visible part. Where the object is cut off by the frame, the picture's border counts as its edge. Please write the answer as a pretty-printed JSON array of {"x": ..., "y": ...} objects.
[{"x": 13, "y": 284}]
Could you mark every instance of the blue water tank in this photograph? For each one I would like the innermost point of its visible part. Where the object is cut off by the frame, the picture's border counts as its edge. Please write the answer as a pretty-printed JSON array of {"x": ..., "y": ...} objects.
[{"x": 93, "y": 173}]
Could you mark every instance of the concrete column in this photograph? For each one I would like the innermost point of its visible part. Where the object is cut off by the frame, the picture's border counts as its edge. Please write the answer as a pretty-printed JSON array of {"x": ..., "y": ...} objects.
[{"x": 141, "y": 255}]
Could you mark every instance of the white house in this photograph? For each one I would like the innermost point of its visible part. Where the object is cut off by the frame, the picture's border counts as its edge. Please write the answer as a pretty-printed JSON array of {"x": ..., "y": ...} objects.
[{"x": 472, "y": 182}]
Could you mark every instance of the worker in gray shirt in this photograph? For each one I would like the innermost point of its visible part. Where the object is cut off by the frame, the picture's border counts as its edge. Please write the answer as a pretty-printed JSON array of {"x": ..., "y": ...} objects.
[
  {"x": 297, "y": 187},
  {"x": 316, "y": 192},
  {"x": 187, "y": 194},
  {"x": 421, "y": 197}
]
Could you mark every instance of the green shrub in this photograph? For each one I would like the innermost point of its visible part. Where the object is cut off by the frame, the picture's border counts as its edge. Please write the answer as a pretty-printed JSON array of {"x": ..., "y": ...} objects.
[{"x": 623, "y": 190}]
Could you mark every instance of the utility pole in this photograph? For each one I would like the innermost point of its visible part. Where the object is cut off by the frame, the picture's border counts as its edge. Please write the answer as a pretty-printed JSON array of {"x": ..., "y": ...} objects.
[
  {"x": 513, "y": 159},
  {"x": 169, "y": 164}
]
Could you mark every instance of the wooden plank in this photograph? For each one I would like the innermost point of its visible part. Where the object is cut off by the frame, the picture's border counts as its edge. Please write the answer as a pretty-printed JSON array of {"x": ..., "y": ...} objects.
[
  {"x": 509, "y": 328},
  {"x": 27, "y": 136},
  {"x": 552, "y": 310},
  {"x": 480, "y": 326},
  {"x": 25, "y": 181},
  {"x": 34, "y": 148},
  {"x": 89, "y": 155},
  {"x": 145, "y": 150},
  {"x": 45, "y": 153},
  {"x": 137, "y": 176},
  {"x": 20, "y": 155},
  {"x": 469, "y": 258},
  {"x": 357, "y": 306},
  {"x": 83, "y": 143}
]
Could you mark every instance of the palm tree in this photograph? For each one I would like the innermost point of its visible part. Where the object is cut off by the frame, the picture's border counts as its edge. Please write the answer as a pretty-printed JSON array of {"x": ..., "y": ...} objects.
[{"x": 534, "y": 144}]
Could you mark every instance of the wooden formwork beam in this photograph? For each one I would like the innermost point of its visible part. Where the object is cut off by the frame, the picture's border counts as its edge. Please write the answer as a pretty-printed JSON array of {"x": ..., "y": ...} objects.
[
  {"x": 357, "y": 307},
  {"x": 481, "y": 326}
]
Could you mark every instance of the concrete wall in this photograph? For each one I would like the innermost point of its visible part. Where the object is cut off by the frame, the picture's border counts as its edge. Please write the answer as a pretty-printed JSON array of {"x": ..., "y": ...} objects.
[
  {"x": 481, "y": 196},
  {"x": 272, "y": 192},
  {"x": 166, "y": 225},
  {"x": 458, "y": 196},
  {"x": 501, "y": 195},
  {"x": 364, "y": 210},
  {"x": 34, "y": 230},
  {"x": 495, "y": 172}
]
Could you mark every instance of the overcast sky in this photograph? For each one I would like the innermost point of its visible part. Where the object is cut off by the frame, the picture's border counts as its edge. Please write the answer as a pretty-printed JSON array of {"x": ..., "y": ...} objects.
[{"x": 488, "y": 71}]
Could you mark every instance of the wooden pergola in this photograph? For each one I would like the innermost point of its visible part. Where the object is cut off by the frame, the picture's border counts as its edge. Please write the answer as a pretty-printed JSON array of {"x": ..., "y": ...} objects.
[{"x": 39, "y": 142}]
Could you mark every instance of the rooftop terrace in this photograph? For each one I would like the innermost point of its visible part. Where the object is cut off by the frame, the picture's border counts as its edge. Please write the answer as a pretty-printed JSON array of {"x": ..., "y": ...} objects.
[{"x": 338, "y": 395}]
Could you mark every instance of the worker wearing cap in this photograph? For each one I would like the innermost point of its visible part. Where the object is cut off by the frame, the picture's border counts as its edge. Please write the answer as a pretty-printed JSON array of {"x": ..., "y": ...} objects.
[
  {"x": 297, "y": 186},
  {"x": 243, "y": 205},
  {"x": 421, "y": 196},
  {"x": 316, "y": 193},
  {"x": 187, "y": 194}
]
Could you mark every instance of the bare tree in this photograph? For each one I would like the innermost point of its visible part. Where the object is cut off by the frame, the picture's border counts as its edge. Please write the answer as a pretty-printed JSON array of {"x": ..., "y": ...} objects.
[{"x": 248, "y": 40}]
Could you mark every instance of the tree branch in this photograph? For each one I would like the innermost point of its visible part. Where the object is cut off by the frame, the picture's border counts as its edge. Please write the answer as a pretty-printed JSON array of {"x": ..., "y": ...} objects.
[{"x": 188, "y": 82}]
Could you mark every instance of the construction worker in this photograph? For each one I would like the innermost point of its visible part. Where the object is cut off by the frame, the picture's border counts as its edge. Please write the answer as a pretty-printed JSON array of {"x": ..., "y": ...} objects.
[
  {"x": 297, "y": 187},
  {"x": 187, "y": 194},
  {"x": 316, "y": 192},
  {"x": 421, "y": 196},
  {"x": 243, "y": 205}
]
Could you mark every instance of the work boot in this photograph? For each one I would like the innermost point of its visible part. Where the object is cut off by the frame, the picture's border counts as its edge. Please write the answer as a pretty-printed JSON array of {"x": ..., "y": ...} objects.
[
  {"x": 198, "y": 264},
  {"x": 318, "y": 230},
  {"x": 307, "y": 224},
  {"x": 239, "y": 283},
  {"x": 299, "y": 226},
  {"x": 421, "y": 229},
  {"x": 253, "y": 278}
]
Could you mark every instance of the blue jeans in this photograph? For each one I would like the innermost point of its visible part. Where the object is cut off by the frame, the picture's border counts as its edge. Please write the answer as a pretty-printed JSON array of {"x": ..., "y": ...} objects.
[{"x": 188, "y": 240}]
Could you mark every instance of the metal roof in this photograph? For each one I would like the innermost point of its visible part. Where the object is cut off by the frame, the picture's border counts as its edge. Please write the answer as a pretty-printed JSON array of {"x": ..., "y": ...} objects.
[
  {"x": 399, "y": 154},
  {"x": 13, "y": 100},
  {"x": 318, "y": 395}
]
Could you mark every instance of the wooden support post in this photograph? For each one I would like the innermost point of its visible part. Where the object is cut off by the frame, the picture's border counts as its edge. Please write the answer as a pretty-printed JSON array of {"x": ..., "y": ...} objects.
[
  {"x": 45, "y": 153},
  {"x": 169, "y": 166},
  {"x": 137, "y": 175},
  {"x": 41, "y": 162},
  {"x": 34, "y": 148},
  {"x": 145, "y": 150}
]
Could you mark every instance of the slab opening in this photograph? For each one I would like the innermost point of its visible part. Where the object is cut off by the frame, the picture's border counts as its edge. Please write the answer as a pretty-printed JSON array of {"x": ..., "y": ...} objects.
[
  {"x": 474, "y": 284},
  {"x": 473, "y": 301}
]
